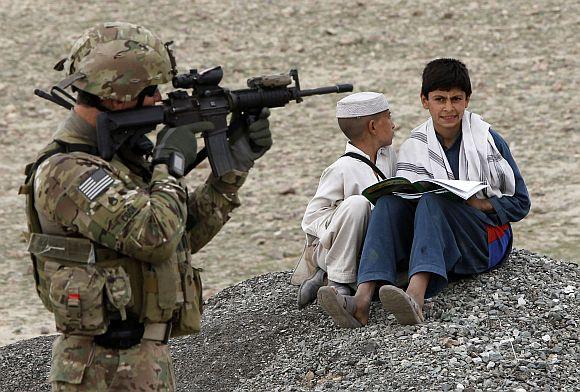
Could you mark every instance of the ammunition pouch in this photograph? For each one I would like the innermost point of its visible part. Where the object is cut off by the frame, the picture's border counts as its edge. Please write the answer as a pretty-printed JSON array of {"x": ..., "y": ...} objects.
[
  {"x": 85, "y": 284},
  {"x": 172, "y": 292},
  {"x": 83, "y": 287},
  {"x": 76, "y": 296},
  {"x": 189, "y": 317}
]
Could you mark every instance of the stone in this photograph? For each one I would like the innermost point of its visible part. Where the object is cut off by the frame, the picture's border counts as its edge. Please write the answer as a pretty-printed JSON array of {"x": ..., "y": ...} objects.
[{"x": 255, "y": 338}]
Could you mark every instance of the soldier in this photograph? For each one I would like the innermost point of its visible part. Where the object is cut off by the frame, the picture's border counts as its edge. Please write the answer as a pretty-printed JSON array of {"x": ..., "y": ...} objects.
[{"x": 111, "y": 241}]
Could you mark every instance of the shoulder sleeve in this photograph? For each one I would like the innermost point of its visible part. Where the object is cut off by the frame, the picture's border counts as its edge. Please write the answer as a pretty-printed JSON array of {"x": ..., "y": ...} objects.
[
  {"x": 516, "y": 207},
  {"x": 209, "y": 210},
  {"x": 87, "y": 195}
]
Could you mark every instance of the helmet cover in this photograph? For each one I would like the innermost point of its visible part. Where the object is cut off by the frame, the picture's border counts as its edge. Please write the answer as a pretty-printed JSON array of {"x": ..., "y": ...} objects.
[{"x": 118, "y": 60}]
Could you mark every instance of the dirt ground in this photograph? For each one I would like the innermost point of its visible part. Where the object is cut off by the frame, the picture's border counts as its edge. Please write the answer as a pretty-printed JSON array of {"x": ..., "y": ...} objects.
[{"x": 523, "y": 56}]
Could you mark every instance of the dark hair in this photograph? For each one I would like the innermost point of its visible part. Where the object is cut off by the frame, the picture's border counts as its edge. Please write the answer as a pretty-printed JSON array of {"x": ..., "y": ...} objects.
[
  {"x": 445, "y": 74},
  {"x": 354, "y": 127},
  {"x": 87, "y": 99}
]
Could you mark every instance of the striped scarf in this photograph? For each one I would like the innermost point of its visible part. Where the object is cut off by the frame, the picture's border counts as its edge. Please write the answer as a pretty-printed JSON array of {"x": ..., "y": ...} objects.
[{"x": 422, "y": 156}]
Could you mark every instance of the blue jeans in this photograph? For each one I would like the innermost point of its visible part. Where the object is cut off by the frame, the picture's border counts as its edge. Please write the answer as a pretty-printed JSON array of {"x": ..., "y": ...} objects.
[{"x": 437, "y": 235}]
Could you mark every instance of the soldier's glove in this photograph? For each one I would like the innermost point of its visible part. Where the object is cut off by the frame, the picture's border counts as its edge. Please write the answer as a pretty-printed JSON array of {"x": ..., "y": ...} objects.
[
  {"x": 177, "y": 147},
  {"x": 250, "y": 138}
]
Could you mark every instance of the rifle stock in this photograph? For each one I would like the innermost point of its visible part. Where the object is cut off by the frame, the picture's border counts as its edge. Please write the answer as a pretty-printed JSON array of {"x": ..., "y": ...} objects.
[{"x": 114, "y": 128}]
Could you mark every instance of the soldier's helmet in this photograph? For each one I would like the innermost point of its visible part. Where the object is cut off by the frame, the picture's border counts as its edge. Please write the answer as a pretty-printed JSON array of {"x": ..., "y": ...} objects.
[{"x": 117, "y": 60}]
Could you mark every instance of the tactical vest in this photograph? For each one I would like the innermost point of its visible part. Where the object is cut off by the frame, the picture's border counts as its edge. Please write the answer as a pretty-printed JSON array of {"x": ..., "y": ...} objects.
[{"x": 85, "y": 284}]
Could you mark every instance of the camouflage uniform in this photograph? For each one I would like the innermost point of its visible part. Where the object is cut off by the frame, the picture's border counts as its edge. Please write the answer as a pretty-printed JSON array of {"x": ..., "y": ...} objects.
[
  {"x": 144, "y": 367},
  {"x": 145, "y": 223},
  {"x": 111, "y": 243}
]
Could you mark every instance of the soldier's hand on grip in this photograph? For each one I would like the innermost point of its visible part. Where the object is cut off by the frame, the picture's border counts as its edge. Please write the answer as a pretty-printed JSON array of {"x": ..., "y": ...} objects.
[
  {"x": 259, "y": 133},
  {"x": 250, "y": 143},
  {"x": 177, "y": 147}
]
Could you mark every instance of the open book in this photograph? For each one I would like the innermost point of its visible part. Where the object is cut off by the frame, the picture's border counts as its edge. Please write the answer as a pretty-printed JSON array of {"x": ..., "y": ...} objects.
[{"x": 406, "y": 189}]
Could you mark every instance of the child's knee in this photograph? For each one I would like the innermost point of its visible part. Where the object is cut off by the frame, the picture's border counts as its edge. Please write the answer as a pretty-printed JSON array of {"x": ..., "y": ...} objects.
[
  {"x": 432, "y": 202},
  {"x": 390, "y": 202},
  {"x": 391, "y": 207},
  {"x": 357, "y": 206}
]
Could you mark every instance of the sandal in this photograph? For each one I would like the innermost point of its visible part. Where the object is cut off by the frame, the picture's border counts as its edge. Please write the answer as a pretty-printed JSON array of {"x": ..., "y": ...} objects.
[
  {"x": 340, "y": 307},
  {"x": 401, "y": 305}
]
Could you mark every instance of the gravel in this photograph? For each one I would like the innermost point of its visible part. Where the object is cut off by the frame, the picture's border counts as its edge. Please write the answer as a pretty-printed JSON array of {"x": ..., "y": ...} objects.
[{"x": 479, "y": 336}]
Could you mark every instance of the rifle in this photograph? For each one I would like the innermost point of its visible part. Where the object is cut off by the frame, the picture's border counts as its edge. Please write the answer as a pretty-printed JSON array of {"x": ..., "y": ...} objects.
[{"x": 207, "y": 102}]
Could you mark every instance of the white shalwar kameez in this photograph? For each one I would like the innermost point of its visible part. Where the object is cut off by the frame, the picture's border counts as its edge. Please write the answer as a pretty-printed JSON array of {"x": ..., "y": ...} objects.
[{"x": 336, "y": 218}]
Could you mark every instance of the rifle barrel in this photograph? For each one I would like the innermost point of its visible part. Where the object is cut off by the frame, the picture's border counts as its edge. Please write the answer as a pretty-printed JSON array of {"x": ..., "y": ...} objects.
[{"x": 339, "y": 88}]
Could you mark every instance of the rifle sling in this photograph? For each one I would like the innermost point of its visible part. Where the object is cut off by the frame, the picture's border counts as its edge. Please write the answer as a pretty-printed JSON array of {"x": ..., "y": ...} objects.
[{"x": 201, "y": 155}]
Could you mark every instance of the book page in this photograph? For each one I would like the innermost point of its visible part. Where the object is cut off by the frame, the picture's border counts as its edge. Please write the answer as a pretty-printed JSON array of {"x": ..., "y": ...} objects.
[
  {"x": 462, "y": 188},
  {"x": 461, "y": 185},
  {"x": 403, "y": 188}
]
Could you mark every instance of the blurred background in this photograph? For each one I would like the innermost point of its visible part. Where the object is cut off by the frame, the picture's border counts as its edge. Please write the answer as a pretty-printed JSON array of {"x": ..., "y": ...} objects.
[{"x": 523, "y": 58}]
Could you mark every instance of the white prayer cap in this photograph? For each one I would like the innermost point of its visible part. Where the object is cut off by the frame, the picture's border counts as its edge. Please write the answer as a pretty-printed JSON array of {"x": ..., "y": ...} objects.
[{"x": 361, "y": 104}]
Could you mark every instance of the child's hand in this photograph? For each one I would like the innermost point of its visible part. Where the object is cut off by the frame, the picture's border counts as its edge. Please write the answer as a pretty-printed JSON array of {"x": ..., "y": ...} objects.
[{"x": 481, "y": 204}]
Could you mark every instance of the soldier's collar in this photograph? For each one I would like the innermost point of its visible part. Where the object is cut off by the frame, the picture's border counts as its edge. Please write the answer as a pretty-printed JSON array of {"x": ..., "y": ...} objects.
[{"x": 75, "y": 129}]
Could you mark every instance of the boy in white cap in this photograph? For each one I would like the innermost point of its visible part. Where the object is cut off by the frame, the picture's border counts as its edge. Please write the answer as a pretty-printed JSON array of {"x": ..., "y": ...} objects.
[{"x": 336, "y": 218}]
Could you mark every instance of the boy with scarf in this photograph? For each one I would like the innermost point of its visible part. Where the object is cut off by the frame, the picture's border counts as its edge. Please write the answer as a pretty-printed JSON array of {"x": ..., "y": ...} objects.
[
  {"x": 336, "y": 218},
  {"x": 437, "y": 238}
]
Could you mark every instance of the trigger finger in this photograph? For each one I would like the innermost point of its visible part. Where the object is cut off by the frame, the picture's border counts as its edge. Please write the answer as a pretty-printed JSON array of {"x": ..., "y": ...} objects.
[
  {"x": 261, "y": 133},
  {"x": 264, "y": 114},
  {"x": 263, "y": 140}
]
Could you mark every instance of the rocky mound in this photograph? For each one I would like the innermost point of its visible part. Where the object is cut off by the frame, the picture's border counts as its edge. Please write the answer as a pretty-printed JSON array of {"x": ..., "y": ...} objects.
[{"x": 514, "y": 329}]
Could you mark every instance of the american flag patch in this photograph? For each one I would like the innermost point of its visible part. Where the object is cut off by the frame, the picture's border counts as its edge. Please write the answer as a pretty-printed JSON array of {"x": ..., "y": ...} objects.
[{"x": 96, "y": 184}]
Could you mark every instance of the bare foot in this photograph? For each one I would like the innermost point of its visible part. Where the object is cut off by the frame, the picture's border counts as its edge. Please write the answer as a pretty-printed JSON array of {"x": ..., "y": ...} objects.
[
  {"x": 362, "y": 301},
  {"x": 417, "y": 287},
  {"x": 340, "y": 307},
  {"x": 419, "y": 299},
  {"x": 362, "y": 310}
]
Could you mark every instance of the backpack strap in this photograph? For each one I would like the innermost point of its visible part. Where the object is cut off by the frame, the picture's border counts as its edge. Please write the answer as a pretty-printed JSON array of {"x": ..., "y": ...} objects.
[
  {"x": 367, "y": 161},
  {"x": 78, "y": 147},
  {"x": 59, "y": 147}
]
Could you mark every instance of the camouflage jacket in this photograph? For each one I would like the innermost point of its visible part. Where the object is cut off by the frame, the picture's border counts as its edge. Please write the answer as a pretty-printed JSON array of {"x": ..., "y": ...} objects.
[{"x": 81, "y": 195}]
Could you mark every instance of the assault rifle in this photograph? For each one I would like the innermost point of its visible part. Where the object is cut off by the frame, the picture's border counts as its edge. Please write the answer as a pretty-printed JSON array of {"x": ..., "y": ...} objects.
[{"x": 207, "y": 102}]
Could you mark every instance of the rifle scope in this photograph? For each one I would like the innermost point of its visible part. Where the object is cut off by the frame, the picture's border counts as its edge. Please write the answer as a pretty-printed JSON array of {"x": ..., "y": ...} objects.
[{"x": 209, "y": 77}]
